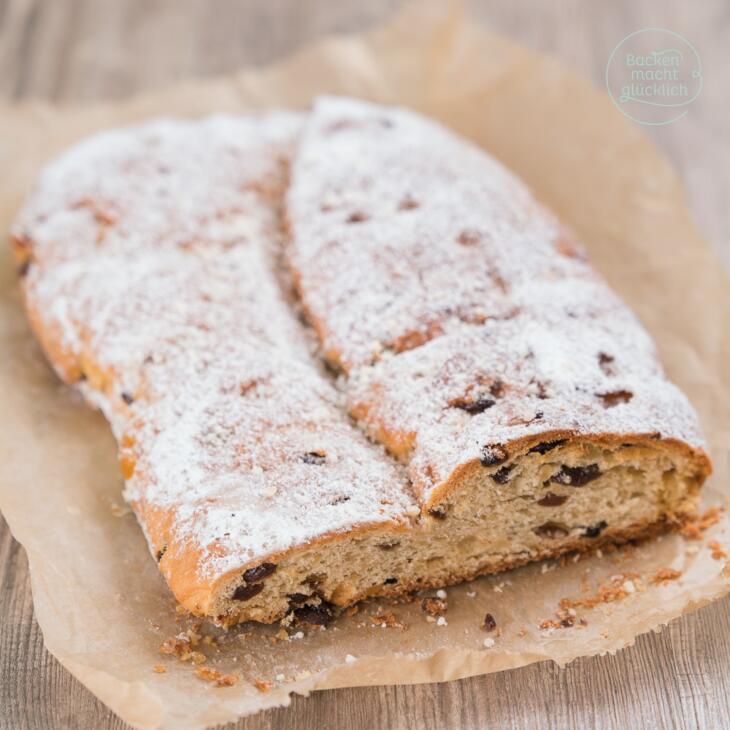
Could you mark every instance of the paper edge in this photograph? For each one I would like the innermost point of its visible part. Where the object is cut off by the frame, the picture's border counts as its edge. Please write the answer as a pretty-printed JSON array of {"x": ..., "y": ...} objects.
[{"x": 343, "y": 676}]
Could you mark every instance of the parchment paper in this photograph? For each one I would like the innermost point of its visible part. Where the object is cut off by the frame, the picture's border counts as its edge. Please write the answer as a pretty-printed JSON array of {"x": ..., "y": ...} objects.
[{"x": 99, "y": 599}]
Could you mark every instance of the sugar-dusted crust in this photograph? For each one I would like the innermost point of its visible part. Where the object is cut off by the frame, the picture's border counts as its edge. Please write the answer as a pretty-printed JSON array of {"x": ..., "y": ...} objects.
[
  {"x": 152, "y": 284},
  {"x": 465, "y": 315},
  {"x": 484, "y": 364}
]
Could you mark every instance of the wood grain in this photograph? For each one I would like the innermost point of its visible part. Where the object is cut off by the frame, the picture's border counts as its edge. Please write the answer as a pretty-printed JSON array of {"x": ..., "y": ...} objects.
[{"x": 71, "y": 50}]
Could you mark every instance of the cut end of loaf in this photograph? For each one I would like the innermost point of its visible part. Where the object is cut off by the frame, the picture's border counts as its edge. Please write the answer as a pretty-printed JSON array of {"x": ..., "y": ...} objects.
[{"x": 552, "y": 497}]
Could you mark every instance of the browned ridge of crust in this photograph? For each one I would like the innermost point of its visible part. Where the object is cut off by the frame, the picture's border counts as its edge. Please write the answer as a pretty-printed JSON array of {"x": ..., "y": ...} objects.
[{"x": 496, "y": 403}]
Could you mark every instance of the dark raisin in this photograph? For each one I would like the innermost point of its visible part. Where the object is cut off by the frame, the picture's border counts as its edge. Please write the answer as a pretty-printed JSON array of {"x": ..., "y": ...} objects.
[
  {"x": 160, "y": 553},
  {"x": 489, "y": 623},
  {"x": 127, "y": 398},
  {"x": 469, "y": 237},
  {"x": 408, "y": 203},
  {"x": 576, "y": 476},
  {"x": 552, "y": 500},
  {"x": 551, "y": 530},
  {"x": 390, "y": 581},
  {"x": 24, "y": 268},
  {"x": 605, "y": 362},
  {"x": 313, "y": 457},
  {"x": 315, "y": 580},
  {"x": 316, "y": 615},
  {"x": 545, "y": 446},
  {"x": 438, "y": 512},
  {"x": 502, "y": 475},
  {"x": 389, "y": 545},
  {"x": 254, "y": 575},
  {"x": 476, "y": 406},
  {"x": 595, "y": 530},
  {"x": 339, "y": 499},
  {"x": 244, "y": 592},
  {"x": 497, "y": 388},
  {"x": 615, "y": 397},
  {"x": 357, "y": 217},
  {"x": 493, "y": 454},
  {"x": 296, "y": 599}
]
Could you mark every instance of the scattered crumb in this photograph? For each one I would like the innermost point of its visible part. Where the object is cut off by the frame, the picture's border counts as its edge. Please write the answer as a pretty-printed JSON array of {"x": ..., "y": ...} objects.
[
  {"x": 431, "y": 619},
  {"x": 549, "y": 625},
  {"x": 441, "y": 593},
  {"x": 605, "y": 594},
  {"x": 297, "y": 636},
  {"x": 280, "y": 678},
  {"x": 269, "y": 492},
  {"x": 182, "y": 645},
  {"x": 178, "y": 645},
  {"x": 694, "y": 524},
  {"x": 665, "y": 575},
  {"x": 349, "y": 659},
  {"x": 441, "y": 621},
  {"x": 629, "y": 586},
  {"x": 262, "y": 685},
  {"x": 434, "y": 606},
  {"x": 159, "y": 669},
  {"x": 471, "y": 594},
  {"x": 488, "y": 642},
  {"x": 691, "y": 549},
  {"x": 208, "y": 674},
  {"x": 717, "y": 550},
  {"x": 387, "y": 620}
]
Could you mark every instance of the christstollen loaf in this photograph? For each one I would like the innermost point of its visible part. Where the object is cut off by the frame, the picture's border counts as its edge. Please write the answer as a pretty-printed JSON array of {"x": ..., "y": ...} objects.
[{"x": 345, "y": 354}]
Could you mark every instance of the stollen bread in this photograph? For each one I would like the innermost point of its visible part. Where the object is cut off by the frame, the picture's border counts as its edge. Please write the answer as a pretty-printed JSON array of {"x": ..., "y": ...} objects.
[{"x": 345, "y": 354}]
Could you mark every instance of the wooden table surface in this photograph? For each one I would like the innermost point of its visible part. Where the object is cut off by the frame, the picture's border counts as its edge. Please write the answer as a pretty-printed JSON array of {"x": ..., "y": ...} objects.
[{"x": 75, "y": 50}]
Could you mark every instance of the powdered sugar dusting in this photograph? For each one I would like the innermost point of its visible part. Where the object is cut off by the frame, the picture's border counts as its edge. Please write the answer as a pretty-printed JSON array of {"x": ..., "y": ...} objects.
[
  {"x": 463, "y": 312},
  {"x": 153, "y": 255}
]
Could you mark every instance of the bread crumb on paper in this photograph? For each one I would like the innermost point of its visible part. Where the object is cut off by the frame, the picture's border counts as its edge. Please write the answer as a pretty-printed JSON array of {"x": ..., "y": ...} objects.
[
  {"x": 387, "y": 620},
  {"x": 694, "y": 524},
  {"x": 665, "y": 575},
  {"x": 718, "y": 552},
  {"x": 262, "y": 685}
]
